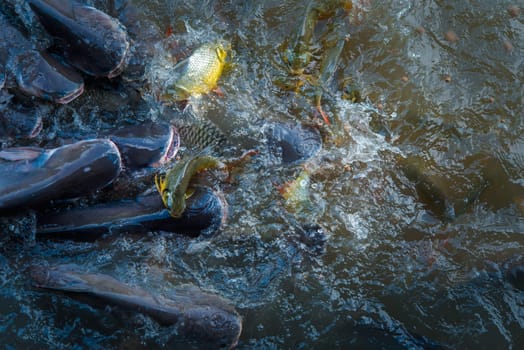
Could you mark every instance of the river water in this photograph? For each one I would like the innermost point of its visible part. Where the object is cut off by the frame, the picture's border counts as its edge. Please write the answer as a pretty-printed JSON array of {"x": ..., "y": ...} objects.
[{"x": 419, "y": 189}]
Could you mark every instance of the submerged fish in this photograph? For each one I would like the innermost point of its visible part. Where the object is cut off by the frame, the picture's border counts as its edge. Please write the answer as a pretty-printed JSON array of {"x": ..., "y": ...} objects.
[
  {"x": 194, "y": 313},
  {"x": 305, "y": 208},
  {"x": 198, "y": 74},
  {"x": 173, "y": 186},
  {"x": 201, "y": 135},
  {"x": 296, "y": 192}
]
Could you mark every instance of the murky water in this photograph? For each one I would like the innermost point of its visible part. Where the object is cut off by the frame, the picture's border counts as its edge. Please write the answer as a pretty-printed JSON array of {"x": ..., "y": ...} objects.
[{"x": 420, "y": 190}]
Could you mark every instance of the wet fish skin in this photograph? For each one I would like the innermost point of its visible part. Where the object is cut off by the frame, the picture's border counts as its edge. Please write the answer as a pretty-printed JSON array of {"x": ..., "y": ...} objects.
[
  {"x": 205, "y": 215},
  {"x": 31, "y": 177},
  {"x": 292, "y": 144},
  {"x": 89, "y": 39},
  {"x": 174, "y": 185},
  {"x": 195, "y": 313},
  {"x": 18, "y": 121},
  {"x": 33, "y": 72},
  {"x": 146, "y": 145},
  {"x": 296, "y": 193},
  {"x": 197, "y": 74}
]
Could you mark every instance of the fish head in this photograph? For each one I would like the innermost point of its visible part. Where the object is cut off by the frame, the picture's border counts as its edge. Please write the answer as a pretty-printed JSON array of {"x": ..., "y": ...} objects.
[{"x": 176, "y": 208}]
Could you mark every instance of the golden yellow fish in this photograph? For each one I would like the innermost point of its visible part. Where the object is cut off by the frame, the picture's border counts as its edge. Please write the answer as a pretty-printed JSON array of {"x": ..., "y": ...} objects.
[
  {"x": 173, "y": 187},
  {"x": 197, "y": 74}
]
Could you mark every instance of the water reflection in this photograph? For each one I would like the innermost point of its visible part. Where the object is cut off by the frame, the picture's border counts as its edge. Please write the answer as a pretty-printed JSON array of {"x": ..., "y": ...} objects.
[{"x": 421, "y": 190}]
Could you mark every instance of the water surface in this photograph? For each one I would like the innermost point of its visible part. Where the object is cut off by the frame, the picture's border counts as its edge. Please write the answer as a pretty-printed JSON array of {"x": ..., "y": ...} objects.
[{"x": 419, "y": 190}]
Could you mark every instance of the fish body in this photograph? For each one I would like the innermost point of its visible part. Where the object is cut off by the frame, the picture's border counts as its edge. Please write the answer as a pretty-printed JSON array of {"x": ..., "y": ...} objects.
[
  {"x": 296, "y": 192},
  {"x": 173, "y": 186},
  {"x": 193, "y": 313},
  {"x": 31, "y": 177},
  {"x": 198, "y": 74},
  {"x": 201, "y": 135}
]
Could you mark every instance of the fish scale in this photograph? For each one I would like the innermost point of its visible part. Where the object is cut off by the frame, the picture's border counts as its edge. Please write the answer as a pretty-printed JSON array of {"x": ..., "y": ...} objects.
[
  {"x": 203, "y": 61},
  {"x": 200, "y": 136},
  {"x": 198, "y": 74}
]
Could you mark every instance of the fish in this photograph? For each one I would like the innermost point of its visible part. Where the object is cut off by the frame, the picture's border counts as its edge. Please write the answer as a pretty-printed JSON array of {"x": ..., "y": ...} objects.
[
  {"x": 194, "y": 313},
  {"x": 198, "y": 74},
  {"x": 89, "y": 39},
  {"x": 146, "y": 145},
  {"x": 292, "y": 144},
  {"x": 328, "y": 66},
  {"x": 205, "y": 214},
  {"x": 31, "y": 177},
  {"x": 308, "y": 50},
  {"x": 201, "y": 135},
  {"x": 19, "y": 121},
  {"x": 34, "y": 72},
  {"x": 173, "y": 186},
  {"x": 296, "y": 193}
]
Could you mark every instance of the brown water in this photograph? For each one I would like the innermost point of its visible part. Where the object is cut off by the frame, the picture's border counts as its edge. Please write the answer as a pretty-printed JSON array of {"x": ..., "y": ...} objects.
[{"x": 420, "y": 191}]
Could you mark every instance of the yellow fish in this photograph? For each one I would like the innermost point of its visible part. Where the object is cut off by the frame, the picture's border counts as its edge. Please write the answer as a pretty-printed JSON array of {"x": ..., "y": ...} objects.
[
  {"x": 296, "y": 192},
  {"x": 197, "y": 74},
  {"x": 173, "y": 187}
]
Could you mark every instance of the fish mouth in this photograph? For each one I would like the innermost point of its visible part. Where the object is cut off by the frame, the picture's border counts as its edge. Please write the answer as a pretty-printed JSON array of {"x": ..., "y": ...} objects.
[
  {"x": 173, "y": 145},
  {"x": 37, "y": 128},
  {"x": 122, "y": 64},
  {"x": 71, "y": 96}
]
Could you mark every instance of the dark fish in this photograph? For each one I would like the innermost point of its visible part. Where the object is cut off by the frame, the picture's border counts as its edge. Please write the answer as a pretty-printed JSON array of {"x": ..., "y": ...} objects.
[
  {"x": 313, "y": 236},
  {"x": 31, "y": 176},
  {"x": 40, "y": 74},
  {"x": 149, "y": 144},
  {"x": 444, "y": 195},
  {"x": 33, "y": 72},
  {"x": 515, "y": 276},
  {"x": 89, "y": 39},
  {"x": 194, "y": 313},
  {"x": 292, "y": 143},
  {"x": 17, "y": 121},
  {"x": 205, "y": 214}
]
